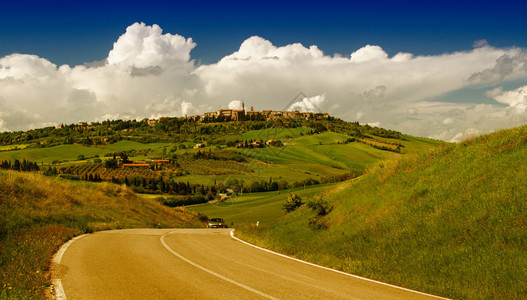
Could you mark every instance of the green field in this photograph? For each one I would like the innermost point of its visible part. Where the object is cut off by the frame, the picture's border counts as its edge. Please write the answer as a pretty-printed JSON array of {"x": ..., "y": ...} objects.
[
  {"x": 305, "y": 156},
  {"x": 313, "y": 156},
  {"x": 274, "y": 133},
  {"x": 414, "y": 144},
  {"x": 265, "y": 208},
  {"x": 323, "y": 154},
  {"x": 120, "y": 146},
  {"x": 13, "y": 147},
  {"x": 71, "y": 152},
  {"x": 50, "y": 154},
  {"x": 131, "y": 145},
  {"x": 450, "y": 222},
  {"x": 322, "y": 138}
]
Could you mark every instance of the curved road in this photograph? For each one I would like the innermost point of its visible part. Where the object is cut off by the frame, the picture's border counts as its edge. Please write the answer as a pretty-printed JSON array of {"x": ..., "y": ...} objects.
[{"x": 196, "y": 264}]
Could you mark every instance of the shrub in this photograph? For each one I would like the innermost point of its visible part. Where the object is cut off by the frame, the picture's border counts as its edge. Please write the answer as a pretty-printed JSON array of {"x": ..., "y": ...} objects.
[
  {"x": 317, "y": 223},
  {"x": 292, "y": 203},
  {"x": 50, "y": 171},
  {"x": 319, "y": 205},
  {"x": 203, "y": 217},
  {"x": 110, "y": 163},
  {"x": 70, "y": 176},
  {"x": 276, "y": 143},
  {"x": 322, "y": 208},
  {"x": 181, "y": 201}
]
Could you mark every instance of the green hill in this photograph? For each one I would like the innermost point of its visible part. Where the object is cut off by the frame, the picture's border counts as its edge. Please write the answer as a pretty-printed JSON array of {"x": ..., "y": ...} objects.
[
  {"x": 274, "y": 133},
  {"x": 452, "y": 222},
  {"x": 229, "y": 152},
  {"x": 38, "y": 214}
]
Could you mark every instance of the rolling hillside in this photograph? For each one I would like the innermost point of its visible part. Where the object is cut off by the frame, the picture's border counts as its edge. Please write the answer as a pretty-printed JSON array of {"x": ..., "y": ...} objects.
[
  {"x": 452, "y": 222},
  {"x": 300, "y": 155},
  {"x": 38, "y": 214}
]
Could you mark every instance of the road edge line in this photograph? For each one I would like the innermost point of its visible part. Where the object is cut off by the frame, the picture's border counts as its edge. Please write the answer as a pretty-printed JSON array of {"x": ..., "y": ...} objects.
[
  {"x": 56, "y": 288},
  {"x": 239, "y": 284},
  {"x": 333, "y": 270}
]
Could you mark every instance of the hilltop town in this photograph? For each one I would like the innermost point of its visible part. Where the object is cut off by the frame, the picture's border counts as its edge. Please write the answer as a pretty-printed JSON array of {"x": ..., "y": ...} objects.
[
  {"x": 264, "y": 115},
  {"x": 233, "y": 115}
]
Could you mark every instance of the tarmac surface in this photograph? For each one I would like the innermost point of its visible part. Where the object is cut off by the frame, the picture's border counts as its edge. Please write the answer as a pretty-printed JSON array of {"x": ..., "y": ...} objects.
[{"x": 197, "y": 264}]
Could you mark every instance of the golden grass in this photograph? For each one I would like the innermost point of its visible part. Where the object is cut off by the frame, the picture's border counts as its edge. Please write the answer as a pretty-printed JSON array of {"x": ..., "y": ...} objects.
[{"x": 38, "y": 214}]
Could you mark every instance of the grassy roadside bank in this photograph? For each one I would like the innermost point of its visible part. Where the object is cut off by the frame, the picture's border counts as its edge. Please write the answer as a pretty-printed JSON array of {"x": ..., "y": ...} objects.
[
  {"x": 38, "y": 214},
  {"x": 451, "y": 223}
]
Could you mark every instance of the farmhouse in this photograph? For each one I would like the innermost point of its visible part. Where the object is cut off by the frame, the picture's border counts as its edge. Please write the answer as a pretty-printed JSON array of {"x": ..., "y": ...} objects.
[
  {"x": 257, "y": 144},
  {"x": 160, "y": 160}
]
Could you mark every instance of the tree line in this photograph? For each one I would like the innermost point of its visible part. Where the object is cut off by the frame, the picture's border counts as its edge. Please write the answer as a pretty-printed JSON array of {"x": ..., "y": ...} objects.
[{"x": 21, "y": 166}]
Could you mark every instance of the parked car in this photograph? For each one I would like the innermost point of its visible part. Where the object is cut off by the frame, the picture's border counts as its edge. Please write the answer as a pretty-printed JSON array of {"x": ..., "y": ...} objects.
[{"x": 216, "y": 223}]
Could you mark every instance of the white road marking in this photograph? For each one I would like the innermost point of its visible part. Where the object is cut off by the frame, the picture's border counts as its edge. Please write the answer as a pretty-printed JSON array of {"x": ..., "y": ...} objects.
[
  {"x": 333, "y": 270},
  {"x": 212, "y": 272},
  {"x": 56, "y": 284},
  {"x": 58, "y": 290},
  {"x": 58, "y": 256}
]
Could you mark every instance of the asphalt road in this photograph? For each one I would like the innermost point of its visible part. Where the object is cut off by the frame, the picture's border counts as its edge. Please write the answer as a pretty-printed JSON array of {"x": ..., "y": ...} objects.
[{"x": 196, "y": 264}]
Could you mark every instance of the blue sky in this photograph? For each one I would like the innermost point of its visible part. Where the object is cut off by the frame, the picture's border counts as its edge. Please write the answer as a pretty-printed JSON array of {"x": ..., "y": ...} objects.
[
  {"x": 74, "y": 32},
  {"x": 440, "y": 69}
]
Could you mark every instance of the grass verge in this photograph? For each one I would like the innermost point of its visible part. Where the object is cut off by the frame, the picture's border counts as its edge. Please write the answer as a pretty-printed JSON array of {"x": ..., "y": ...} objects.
[{"x": 38, "y": 214}]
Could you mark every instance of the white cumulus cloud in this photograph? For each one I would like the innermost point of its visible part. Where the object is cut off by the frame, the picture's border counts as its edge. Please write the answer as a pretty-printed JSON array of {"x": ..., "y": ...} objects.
[
  {"x": 368, "y": 53},
  {"x": 149, "y": 73},
  {"x": 235, "y": 104},
  {"x": 19, "y": 66},
  {"x": 516, "y": 99},
  {"x": 309, "y": 104},
  {"x": 145, "y": 46}
]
